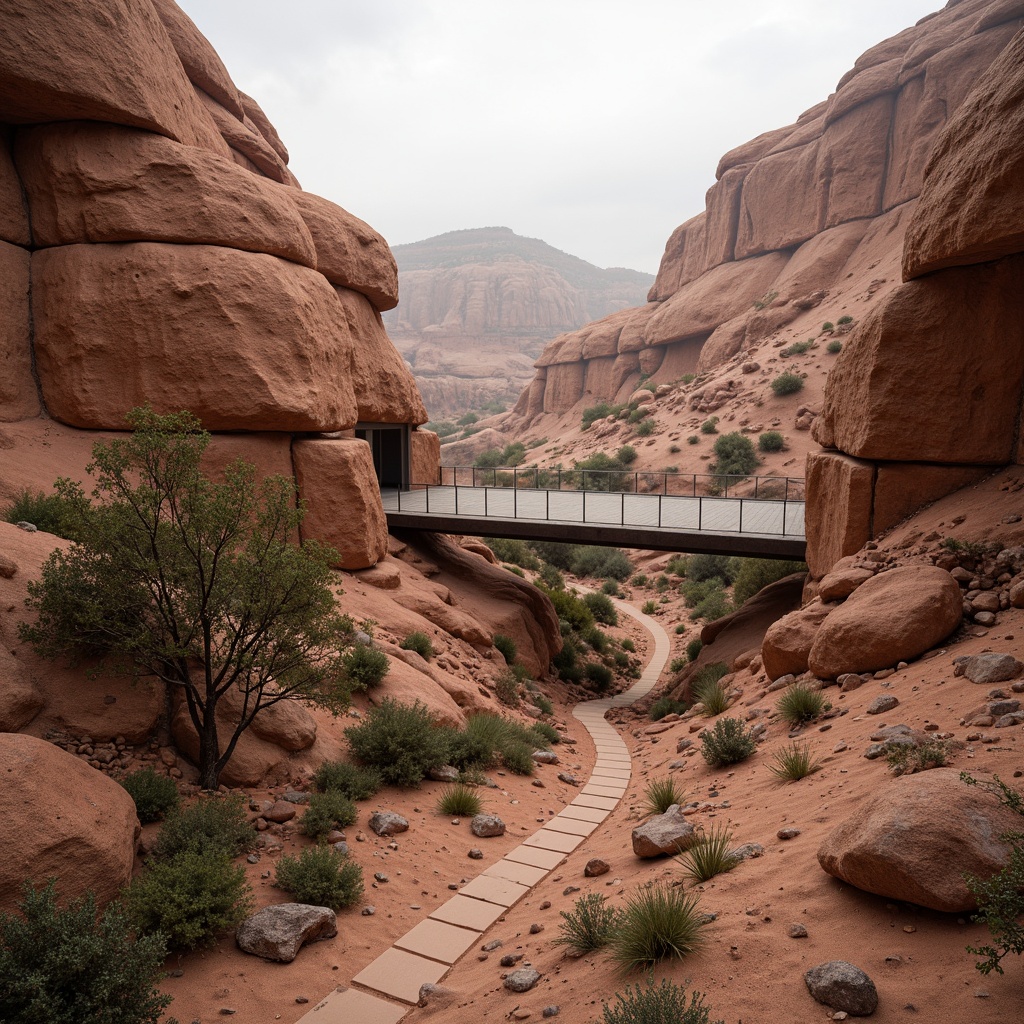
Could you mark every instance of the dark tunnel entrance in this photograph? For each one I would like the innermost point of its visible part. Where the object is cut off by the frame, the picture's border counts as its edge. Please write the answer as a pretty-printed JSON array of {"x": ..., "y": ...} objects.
[{"x": 389, "y": 443}]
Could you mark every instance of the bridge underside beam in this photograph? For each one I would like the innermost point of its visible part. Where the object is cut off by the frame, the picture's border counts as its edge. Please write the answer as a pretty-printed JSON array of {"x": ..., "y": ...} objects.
[{"x": 652, "y": 538}]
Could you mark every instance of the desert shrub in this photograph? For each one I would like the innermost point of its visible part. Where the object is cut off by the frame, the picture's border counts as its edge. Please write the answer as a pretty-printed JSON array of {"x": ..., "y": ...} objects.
[
  {"x": 666, "y": 706},
  {"x": 518, "y": 758},
  {"x": 628, "y": 645},
  {"x": 714, "y": 699},
  {"x": 602, "y": 609},
  {"x": 542, "y": 704},
  {"x": 658, "y": 922},
  {"x": 600, "y": 562},
  {"x": 735, "y": 455},
  {"x": 649, "y": 607},
  {"x": 551, "y": 577},
  {"x": 771, "y": 441},
  {"x": 680, "y": 628},
  {"x": 694, "y": 647},
  {"x": 572, "y": 609},
  {"x": 709, "y": 675},
  {"x": 707, "y": 567},
  {"x": 506, "y": 647},
  {"x": 210, "y": 826},
  {"x": 727, "y": 743},
  {"x": 599, "y": 411},
  {"x": 321, "y": 876},
  {"x": 645, "y": 428},
  {"x": 516, "y": 552},
  {"x": 757, "y": 573},
  {"x": 626, "y": 454},
  {"x": 459, "y": 800},
  {"x": 365, "y": 666},
  {"x": 800, "y": 704},
  {"x": 154, "y": 795},
  {"x": 611, "y": 588},
  {"x": 420, "y": 643},
  {"x": 588, "y": 926},
  {"x": 661, "y": 794},
  {"x": 798, "y": 348},
  {"x": 844, "y": 320},
  {"x": 828, "y": 326},
  {"x": 70, "y": 965},
  {"x": 621, "y": 659},
  {"x": 399, "y": 740},
  {"x": 787, "y": 384},
  {"x": 351, "y": 780},
  {"x": 566, "y": 662},
  {"x": 662, "y": 583},
  {"x": 834, "y": 347},
  {"x": 548, "y": 732},
  {"x": 793, "y": 763},
  {"x": 595, "y": 639},
  {"x": 638, "y": 414},
  {"x": 327, "y": 812},
  {"x": 506, "y": 688},
  {"x": 189, "y": 898},
  {"x": 600, "y": 675},
  {"x": 1001, "y": 897},
  {"x": 907, "y": 760},
  {"x": 677, "y": 664},
  {"x": 714, "y": 605},
  {"x": 639, "y": 580},
  {"x": 710, "y": 855},
  {"x": 665, "y": 1004},
  {"x": 693, "y": 439},
  {"x": 50, "y": 513},
  {"x": 599, "y": 472},
  {"x": 710, "y": 426}
]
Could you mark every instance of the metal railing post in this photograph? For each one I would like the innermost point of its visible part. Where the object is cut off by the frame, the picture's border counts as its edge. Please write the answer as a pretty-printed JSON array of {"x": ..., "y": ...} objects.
[
  {"x": 622, "y": 511},
  {"x": 547, "y": 503},
  {"x": 456, "y": 501},
  {"x": 660, "y": 497},
  {"x": 700, "y": 513},
  {"x": 584, "y": 503},
  {"x": 428, "y": 499},
  {"x": 515, "y": 497},
  {"x": 665, "y": 485},
  {"x": 785, "y": 505},
  {"x": 741, "y": 515}
]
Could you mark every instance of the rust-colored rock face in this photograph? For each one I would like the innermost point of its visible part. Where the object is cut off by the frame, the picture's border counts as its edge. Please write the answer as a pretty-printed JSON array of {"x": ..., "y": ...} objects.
[
  {"x": 838, "y": 517},
  {"x": 787, "y": 642}
]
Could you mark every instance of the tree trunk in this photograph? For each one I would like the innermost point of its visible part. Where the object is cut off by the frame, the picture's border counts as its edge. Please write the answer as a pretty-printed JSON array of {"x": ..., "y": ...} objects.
[{"x": 209, "y": 753}]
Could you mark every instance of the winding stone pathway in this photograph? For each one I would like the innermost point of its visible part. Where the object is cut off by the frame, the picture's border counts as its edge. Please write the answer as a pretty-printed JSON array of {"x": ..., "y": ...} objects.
[{"x": 385, "y": 990}]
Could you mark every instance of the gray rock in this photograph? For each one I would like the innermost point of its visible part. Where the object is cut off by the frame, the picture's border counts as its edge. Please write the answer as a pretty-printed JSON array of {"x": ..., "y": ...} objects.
[
  {"x": 510, "y": 959},
  {"x": 882, "y": 703},
  {"x": 545, "y": 757},
  {"x": 551, "y": 1011},
  {"x": 797, "y": 931},
  {"x": 27, "y": 527},
  {"x": 278, "y": 932},
  {"x": 985, "y": 618},
  {"x": 595, "y": 867},
  {"x": 664, "y": 833},
  {"x": 569, "y": 780},
  {"x": 748, "y": 851},
  {"x": 849, "y": 681},
  {"x": 487, "y": 825},
  {"x": 295, "y": 797},
  {"x": 843, "y": 987},
  {"x": 988, "y": 668},
  {"x": 388, "y": 823},
  {"x": 369, "y": 910},
  {"x": 683, "y": 743},
  {"x": 444, "y": 773},
  {"x": 787, "y": 833},
  {"x": 998, "y": 708},
  {"x": 490, "y": 947},
  {"x": 522, "y": 980},
  {"x": 476, "y": 854},
  {"x": 341, "y": 847}
]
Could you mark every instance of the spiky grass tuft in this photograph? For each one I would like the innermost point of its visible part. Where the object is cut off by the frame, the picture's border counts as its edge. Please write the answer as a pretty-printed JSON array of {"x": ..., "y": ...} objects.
[
  {"x": 794, "y": 763},
  {"x": 710, "y": 855},
  {"x": 658, "y": 922}
]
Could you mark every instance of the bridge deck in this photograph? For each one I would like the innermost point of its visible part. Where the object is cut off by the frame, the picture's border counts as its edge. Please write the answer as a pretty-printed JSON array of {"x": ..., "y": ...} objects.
[{"x": 662, "y": 522}]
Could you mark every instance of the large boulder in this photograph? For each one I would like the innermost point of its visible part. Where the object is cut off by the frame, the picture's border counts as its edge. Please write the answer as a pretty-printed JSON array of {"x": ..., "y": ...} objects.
[
  {"x": 916, "y": 838},
  {"x": 787, "y": 642},
  {"x": 844, "y": 987},
  {"x": 895, "y": 616},
  {"x": 668, "y": 833},
  {"x": 63, "y": 820},
  {"x": 278, "y": 932},
  {"x": 19, "y": 398}
]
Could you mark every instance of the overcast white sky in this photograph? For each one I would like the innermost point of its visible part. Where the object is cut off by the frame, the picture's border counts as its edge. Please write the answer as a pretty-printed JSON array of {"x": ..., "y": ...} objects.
[{"x": 593, "y": 124}]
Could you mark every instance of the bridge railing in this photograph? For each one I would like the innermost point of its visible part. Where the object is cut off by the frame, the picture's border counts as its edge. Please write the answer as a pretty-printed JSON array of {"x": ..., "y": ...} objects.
[{"x": 666, "y": 482}]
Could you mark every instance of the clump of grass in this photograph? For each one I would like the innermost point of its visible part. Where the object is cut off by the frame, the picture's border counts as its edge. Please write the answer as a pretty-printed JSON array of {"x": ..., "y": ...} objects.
[
  {"x": 661, "y": 794},
  {"x": 787, "y": 384},
  {"x": 458, "y": 800},
  {"x": 794, "y": 763},
  {"x": 834, "y": 347},
  {"x": 420, "y": 643},
  {"x": 665, "y": 1004},
  {"x": 658, "y": 922},
  {"x": 710, "y": 855},
  {"x": 800, "y": 704},
  {"x": 666, "y": 706},
  {"x": 907, "y": 760},
  {"x": 506, "y": 688},
  {"x": 506, "y": 647},
  {"x": 710, "y": 426},
  {"x": 771, "y": 441},
  {"x": 588, "y": 926},
  {"x": 209, "y": 827},
  {"x": 727, "y": 743},
  {"x": 798, "y": 348},
  {"x": 694, "y": 647},
  {"x": 708, "y": 689},
  {"x": 649, "y": 607},
  {"x": 549, "y": 732}
]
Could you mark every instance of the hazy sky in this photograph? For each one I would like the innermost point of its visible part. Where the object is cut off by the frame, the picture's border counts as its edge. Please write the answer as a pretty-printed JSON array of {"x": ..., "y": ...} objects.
[{"x": 593, "y": 124}]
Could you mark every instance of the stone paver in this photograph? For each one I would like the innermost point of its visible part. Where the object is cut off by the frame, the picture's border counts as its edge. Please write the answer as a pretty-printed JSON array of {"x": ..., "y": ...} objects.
[
  {"x": 571, "y": 826},
  {"x": 611, "y": 773},
  {"x": 438, "y": 940},
  {"x": 604, "y": 803},
  {"x": 351, "y": 1005},
  {"x": 495, "y": 890},
  {"x": 400, "y": 974},
  {"x": 594, "y": 814},
  {"x": 548, "y": 840},
  {"x": 524, "y": 874},
  {"x": 537, "y": 858},
  {"x": 468, "y": 912}
]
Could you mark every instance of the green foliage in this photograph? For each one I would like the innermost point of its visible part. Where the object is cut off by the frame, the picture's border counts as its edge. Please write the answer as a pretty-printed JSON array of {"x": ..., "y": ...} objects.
[
  {"x": 548, "y": 732},
  {"x": 649, "y": 607},
  {"x": 212, "y": 825},
  {"x": 600, "y": 675},
  {"x": 638, "y": 415},
  {"x": 600, "y": 472},
  {"x": 694, "y": 647},
  {"x": 566, "y": 662},
  {"x": 710, "y": 425},
  {"x": 639, "y": 580},
  {"x": 459, "y": 800},
  {"x": 154, "y": 795},
  {"x": 680, "y": 628},
  {"x": 611, "y": 588},
  {"x": 667, "y": 706},
  {"x": 551, "y": 577},
  {"x": 626, "y": 455},
  {"x": 665, "y": 1004},
  {"x": 518, "y": 758},
  {"x": 195, "y": 583},
  {"x": 543, "y": 705},
  {"x": 1001, "y": 897},
  {"x": 771, "y": 441},
  {"x": 798, "y": 348},
  {"x": 787, "y": 384},
  {"x": 694, "y": 439},
  {"x": 754, "y": 574},
  {"x": 661, "y": 794},
  {"x": 707, "y": 598},
  {"x": 468, "y": 419},
  {"x": 828, "y": 326},
  {"x": 66, "y": 965},
  {"x": 658, "y": 922},
  {"x": 598, "y": 412},
  {"x": 844, "y": 320},
  {"x": 506, "y": 688},
  {"x": 800, "y": 704},
  {"x": 602, "y": 609},
  {"x": 708, "y": 567},
  {"x": 588, "y": 926},
  {"x": 400, "y": 741},
  {"x": 793, "y": 763},
  {"x": 506, "y": 647},
  {"x": 834, "y": 347},
  {"x": 488, "y": 738},
  {"x": 585, "y": 559},
  {"x": 713, "y": 696},
  {"x": 189, "y": 898},
  {"x": 645, "y": 428},
  {"x": 678, "y": 663},
  {"x": 420, "y": 643},
  {"x": 907, "y": 760},
  {"x": 595, "y": 639},
  {"x": 710, "y": 855},
  {"x": 327, "y": 812},
  {"x": 351, "y": 780},
  {"x": 628, "y": 645},
  {"x": 572, "y": 609},
  {"x": 320, "y": 876},
  {"x": 515, "y": 552},
  {"x": 727, "y": 743},
  {"x": 51, "y": 513},
  {"x": 735, "y": 455},
  {"x": 365, "y": 666}
]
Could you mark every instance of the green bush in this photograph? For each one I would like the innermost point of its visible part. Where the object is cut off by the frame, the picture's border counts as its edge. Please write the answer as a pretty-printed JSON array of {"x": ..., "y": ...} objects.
[
  {"x": 548, "y": 732},
  {"x": 49, "y": 513},
  {"x": 834, "y": 347},
  {"x": 68, "y": 965},
  {"x": 626, "y": 455},
  {"x": 189, "y": 898},
  {"x": 694, "y": 647},
  {"x": 628, "y": 645},
  {"x": 598, "y": 412},
  {"x": 798, "y": 348},
  {"x": 844, "y": 320},
  {"x": 665, "y": 1004},
  {"x": 710, "y": 855},
  {"x": 649, "y": 607},
  {"x": 714, "y": 699},
  {"x": 771, "y": 441},
  {"x": 365, "y": 666},
  {"x": 518, "y": 758},
  {"x": 506, "y": 688},
  {"x": 735, "y": 455},
  {"x": 588, "y": 926},
  {"x": 787, "y": 384},
  {"x": 678, "y": 663},
  {"x": 658, "y": 922},
  {"x": 710, "y": 426},
  {"x": 506, "y": 647},
  {"x": 351, "y": 780},
  {"x": 566, "y": 662},
  {"x": 459, "y": 800},
  {"x": 595, "y": 639},
  {"x": 551, "y": 577},
  {"x": 599, "y": 562},
  {"x": 600, "y": 675},
  {"x": 542, "y": 704},
  {"x": 727, "y": 743},
  {"x": 666, "y": 706},
  {"x": 757, "y": 573},
  {"x": 327, "y": 812},
  {"x": 793, "y": 763},
  {"x": 154, "y": 795},
  {"x": 400, "y": 741},
  {"x": 922, "y": 757},
  {"x": 709, "y": 675},
  {"x": 661, "y": 794},
  {"x": 602, "y": 609},
  {"x": 611, "y": 588},
  {"x": 210, "y": 826},
  {"x": 694, "y": 439},
  {"x": 572, "y": 609},
  {"x": 800, "y": 704},
  {"x": 708, "y": 567},
  {"x": 516, "y": 552},
  {"x": 645, "y": 428},
  {"x": 420, "y": 643},
  {"x": 320, "y": 876},
  {"x": 828, "y": 326},
  {"x": 680, "y": 628}
]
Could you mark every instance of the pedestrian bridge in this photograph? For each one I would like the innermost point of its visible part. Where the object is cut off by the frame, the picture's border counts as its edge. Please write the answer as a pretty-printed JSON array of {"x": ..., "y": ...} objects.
[{"x": 761, "y": 517}]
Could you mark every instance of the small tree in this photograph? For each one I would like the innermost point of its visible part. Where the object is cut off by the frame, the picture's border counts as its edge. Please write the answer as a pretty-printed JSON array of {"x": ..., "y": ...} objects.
[{"x": 194, "y": 582}]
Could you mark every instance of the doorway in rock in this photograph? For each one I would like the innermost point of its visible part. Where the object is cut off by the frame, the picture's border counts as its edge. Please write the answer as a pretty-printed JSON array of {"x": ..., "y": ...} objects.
[{"x": 389, "y": 443}]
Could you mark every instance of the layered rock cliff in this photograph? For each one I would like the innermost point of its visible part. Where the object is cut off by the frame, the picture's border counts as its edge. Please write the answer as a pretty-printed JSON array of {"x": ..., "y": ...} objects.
[{"x": 478, "y": 306}]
